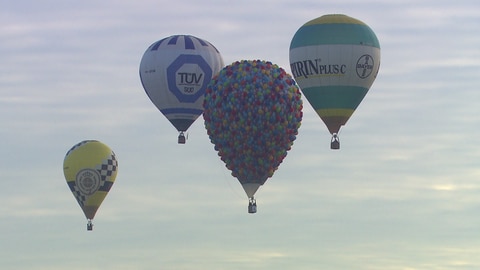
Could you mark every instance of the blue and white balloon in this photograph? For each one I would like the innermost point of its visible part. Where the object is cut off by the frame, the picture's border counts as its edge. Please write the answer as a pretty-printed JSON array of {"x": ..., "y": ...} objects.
[{"x": 175, "y": 72}]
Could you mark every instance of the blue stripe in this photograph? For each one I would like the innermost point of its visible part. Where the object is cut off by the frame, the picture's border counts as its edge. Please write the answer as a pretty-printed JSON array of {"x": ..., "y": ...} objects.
[
  {"x": 181, "y": 110},
  {"x": 202, "y": 42},
  {"x": 189, "y": 43},
  {"x": 205, "y": 43},
  {"x": 173, "y": 40},
  {"x": 157, "y": 44}
]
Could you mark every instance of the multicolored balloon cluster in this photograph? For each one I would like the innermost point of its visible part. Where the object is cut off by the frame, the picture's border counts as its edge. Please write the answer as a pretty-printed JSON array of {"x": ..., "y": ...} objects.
[{"x": 252, "y": 113}]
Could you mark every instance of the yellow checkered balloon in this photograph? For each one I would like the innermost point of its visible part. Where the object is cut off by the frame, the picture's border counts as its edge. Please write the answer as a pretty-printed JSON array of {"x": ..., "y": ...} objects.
[{"x": 90, "y": 168}]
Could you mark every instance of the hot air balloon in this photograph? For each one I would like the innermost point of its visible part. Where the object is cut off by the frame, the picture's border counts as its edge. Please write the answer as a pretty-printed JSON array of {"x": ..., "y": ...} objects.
[
  {"x": 253, "y": 110},
  {"x": 175, "y": 72},
  {"x": 90, "y": 168},
  {"x": 334, "y": 59}
]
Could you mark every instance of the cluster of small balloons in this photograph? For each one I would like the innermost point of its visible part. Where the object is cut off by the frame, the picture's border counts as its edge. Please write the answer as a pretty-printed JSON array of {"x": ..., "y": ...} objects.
[
  {"x": 252, "y": 108},
  {"x": 252, "y": 112}
]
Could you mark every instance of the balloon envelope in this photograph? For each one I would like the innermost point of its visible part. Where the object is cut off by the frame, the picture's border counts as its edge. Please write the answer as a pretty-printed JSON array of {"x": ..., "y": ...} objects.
[
  {"x": 175, "y": 72},
  {"x": 253, "y": 110},
  {"x": 90, "y": 168},
  {"x": 334, "y": 59}
]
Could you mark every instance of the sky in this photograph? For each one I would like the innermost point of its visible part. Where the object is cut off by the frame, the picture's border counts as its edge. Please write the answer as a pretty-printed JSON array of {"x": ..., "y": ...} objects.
[{"x": 401, "y": 194}]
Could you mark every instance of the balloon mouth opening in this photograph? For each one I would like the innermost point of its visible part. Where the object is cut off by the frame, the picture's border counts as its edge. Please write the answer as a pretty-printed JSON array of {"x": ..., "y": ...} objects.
[{"x": 250, "y": 188}]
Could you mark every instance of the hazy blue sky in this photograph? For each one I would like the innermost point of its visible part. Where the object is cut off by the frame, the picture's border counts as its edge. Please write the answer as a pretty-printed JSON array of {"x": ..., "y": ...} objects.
[{"x": 403, "y": 193}]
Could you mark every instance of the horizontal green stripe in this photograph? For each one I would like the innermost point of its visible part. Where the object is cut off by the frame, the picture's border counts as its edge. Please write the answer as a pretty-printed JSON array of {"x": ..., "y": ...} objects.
[
  {"x": 335, "y": 97},
  {"x": 334, "y": 33}
]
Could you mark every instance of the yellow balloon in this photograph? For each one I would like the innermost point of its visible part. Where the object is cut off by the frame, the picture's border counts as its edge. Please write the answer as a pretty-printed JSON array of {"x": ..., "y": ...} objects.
[{"x": 90, "y": 168}]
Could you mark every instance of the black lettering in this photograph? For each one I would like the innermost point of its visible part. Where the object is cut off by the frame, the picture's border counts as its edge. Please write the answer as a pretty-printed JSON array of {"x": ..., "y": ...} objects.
[
  {"x": 293, "y": 67},
  {"x": 301, "y": 70},
  {"x": 329, "y": 71},
  {"x": 307, "y": 68},
  {"x": 335, "y": 69},
  {"x": 189, "y": 78},
  {"x": 197, "y": 80},
  {"x": 313, "y": 66},
  {"x": 321, "y": 69}
]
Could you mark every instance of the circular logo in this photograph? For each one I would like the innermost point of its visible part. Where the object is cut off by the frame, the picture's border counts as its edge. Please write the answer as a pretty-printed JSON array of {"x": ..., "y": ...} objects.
[
  {"x": 364, "y": 66},
  {"x": 88, "y": 181},
  {"x": 188, "y": 76}
]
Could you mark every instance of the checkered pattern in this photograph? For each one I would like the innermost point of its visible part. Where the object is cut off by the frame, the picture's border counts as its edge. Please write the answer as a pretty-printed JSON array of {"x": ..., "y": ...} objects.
[
  {"x": 106, "y": 170},
  {"x": 76, "y": 192}
]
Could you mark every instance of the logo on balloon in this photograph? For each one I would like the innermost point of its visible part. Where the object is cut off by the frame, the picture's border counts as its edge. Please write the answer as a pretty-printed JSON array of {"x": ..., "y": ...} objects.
[
  {"x": 307, "y": 68},
  {"x": 88, "y": 181},
  {"x": 188, "y": 77},
  {"x": 364, "y": 66}
]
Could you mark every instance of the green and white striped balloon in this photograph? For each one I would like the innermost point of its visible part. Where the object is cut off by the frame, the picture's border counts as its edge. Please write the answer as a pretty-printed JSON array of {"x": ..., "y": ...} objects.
[{"x": 334, "y": 59}]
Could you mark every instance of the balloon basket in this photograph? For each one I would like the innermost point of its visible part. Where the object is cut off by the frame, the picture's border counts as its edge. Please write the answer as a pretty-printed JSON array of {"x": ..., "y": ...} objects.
[
  {"x": 252, "y": 206},
  {"x": 335, "y": 143},
  {"x": 181, "y": 138},
  {"x": 89, "y": 225}
]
